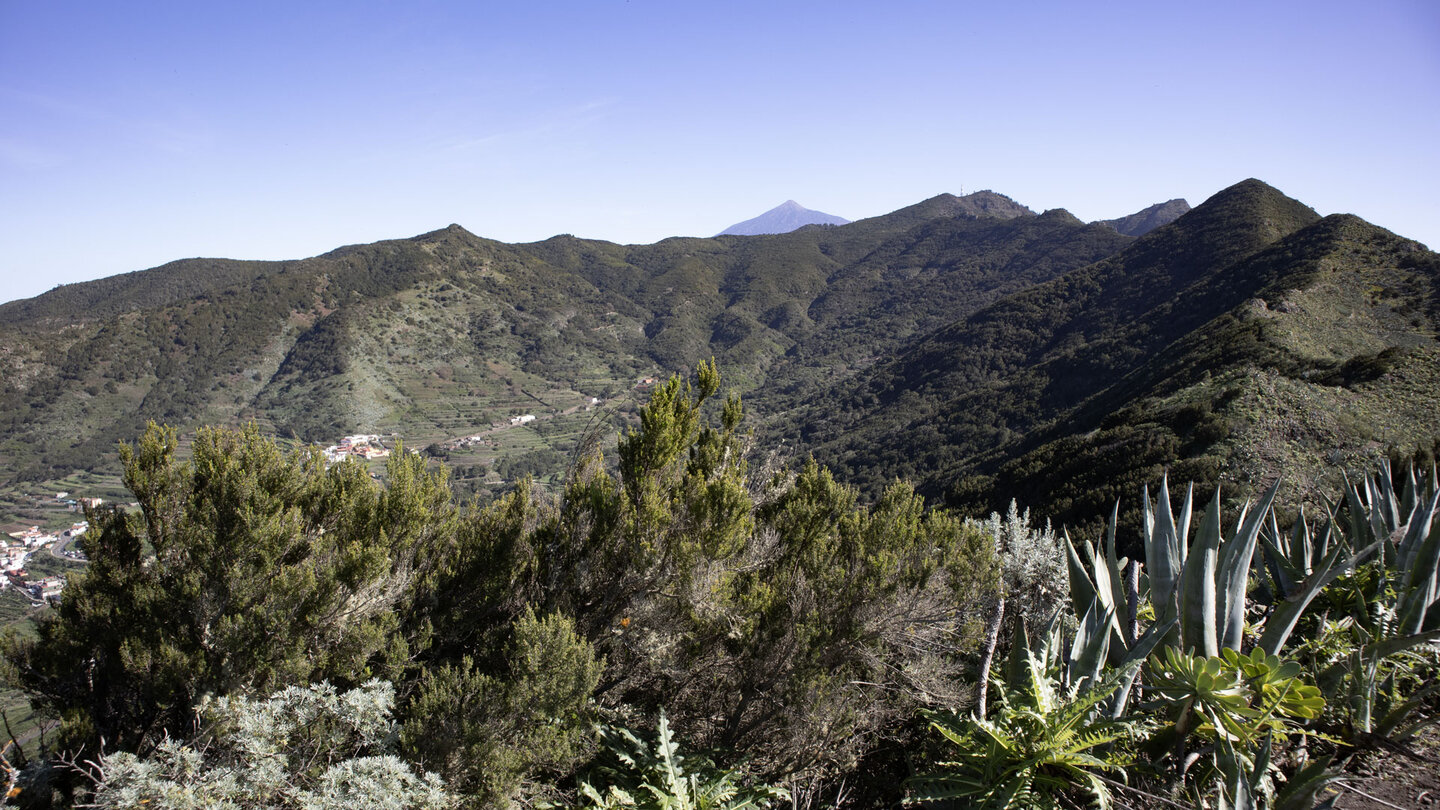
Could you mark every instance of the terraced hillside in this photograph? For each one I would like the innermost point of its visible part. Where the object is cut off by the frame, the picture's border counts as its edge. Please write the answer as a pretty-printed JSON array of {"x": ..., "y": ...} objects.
[{"x": 447, "y": 334}]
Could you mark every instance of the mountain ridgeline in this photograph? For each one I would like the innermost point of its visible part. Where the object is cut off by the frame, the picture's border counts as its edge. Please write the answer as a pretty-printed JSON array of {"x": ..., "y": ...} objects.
[
  {"x": 965, "y": 343},
  {"x": 1250, "y": 339}
]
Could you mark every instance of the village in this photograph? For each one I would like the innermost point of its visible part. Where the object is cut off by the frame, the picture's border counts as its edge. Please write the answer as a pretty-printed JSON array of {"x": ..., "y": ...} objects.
[
  {"x": 363, "y": 446},
  {"x": 19, "y": 547}
]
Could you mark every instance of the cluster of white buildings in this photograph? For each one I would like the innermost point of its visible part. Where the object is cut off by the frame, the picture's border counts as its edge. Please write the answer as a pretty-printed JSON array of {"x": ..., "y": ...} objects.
[
  {"x": 17, "y": 550},
  {"x": 47, "y": 588},
  {"x": 522, "y": 419},
  {"x": 361, "y": 445},
  {"x": 467, "y": 441},
  {"x": 77, "y": 504}
]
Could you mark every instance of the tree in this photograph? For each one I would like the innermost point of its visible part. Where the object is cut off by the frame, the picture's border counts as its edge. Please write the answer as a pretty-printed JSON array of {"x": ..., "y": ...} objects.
[
  {"x": 771, "y": 614},
  {"x": 484, "y": 733},
  {"x": 268, "y": 570}
]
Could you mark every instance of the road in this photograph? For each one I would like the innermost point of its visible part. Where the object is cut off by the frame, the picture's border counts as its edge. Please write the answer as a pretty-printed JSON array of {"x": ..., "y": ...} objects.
[{"x": 58, "y": 549}]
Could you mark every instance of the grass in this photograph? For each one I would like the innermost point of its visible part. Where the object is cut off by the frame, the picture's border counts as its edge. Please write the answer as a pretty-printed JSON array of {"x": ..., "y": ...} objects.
[{"x": 17, "y": 610}]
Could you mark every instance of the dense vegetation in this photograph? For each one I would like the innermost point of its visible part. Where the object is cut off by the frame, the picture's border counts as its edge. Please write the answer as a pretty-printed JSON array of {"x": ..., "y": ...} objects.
[
  {"x": 705, "y": 616},
  {"x": 965, "y": 344},
  {"x": 431, "y": 335},
  {"x": 1248, "y": 340},
  {"x": 269, "y": 632},
  {"x": 768, "y": 613}
]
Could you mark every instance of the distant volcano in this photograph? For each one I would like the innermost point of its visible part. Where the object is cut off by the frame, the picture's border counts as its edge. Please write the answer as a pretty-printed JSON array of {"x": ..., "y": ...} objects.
[
  {"x": 1143, "y": 222},
  {"x": 783, "y": 218}
]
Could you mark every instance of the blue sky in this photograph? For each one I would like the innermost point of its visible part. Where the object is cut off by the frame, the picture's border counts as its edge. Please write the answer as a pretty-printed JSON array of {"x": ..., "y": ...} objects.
[{"x": 134, "y": 134}]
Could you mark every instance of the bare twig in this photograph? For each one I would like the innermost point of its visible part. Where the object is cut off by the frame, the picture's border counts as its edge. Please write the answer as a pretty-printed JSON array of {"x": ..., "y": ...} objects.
[
  {"x": 1139, "y": 792},
  {"x": 12, "y": 774}
]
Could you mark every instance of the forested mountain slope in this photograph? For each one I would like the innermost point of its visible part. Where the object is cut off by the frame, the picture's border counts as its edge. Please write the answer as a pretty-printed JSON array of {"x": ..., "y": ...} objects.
[
  {"x": 965, "y": 343},
  {"x": 436, "y": 336},
  {"x": 1244, "y": 336}
]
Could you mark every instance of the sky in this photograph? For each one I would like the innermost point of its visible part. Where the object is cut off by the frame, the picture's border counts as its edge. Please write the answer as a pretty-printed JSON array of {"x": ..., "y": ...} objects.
[{"x": 133, "y": 134}]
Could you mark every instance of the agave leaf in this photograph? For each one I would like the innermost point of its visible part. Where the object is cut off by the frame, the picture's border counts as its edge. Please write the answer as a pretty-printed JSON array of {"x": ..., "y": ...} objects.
[
  {"x": 1233, "y": 572},
  {"x": 1182, "y": 523},
  {"x": 1108, "y": 587},
  {"x": 1197, "y": 595},
  {"x": 1092, "y": 644},
  {"x": 1286, "y": 576},
  {"x": 1278, "y": 541},
  {"x": 1322, "y": 539},
  {"x": 1104, "y": 590},
  {"x": 1301, "y": 551},
  {"x": 1415, "y": 526},
  {"x": 1356, "y": 513},
  {"x": 1419, "y": 587},
  {"x": 1378, "y": 528},
  {"x": 1082, "y": 589},
  {"x": 1236, "y": 792},
  {"x": 1134, "y": 659},
  {"x": 1409, "y": 494},
  {"x": 1115, "y": 563},
  {"x": 1363, "y": 664},
  {"x": 1110, "y": 536},
  {"x": 1019, "y": 655},
  {"x": 1280, "y": 552},
  {"x": 1385, "y": 648},
  {"x": 1392, "y": 720},
  {"x": 1387, "y": 499},
  {"x": 1282, "y": 619},
  {"x": 1163, "y": 554},
  {"x": 1302, "y": 787}
]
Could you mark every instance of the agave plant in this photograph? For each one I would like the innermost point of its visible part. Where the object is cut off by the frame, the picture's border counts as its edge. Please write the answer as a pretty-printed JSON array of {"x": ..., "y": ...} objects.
[
  {"x": 662, "y": 778},
  {"x": 1046, "y": 742},
  {"x": 1384, "y": 603},
  {"x": 1196, "y": 589}
]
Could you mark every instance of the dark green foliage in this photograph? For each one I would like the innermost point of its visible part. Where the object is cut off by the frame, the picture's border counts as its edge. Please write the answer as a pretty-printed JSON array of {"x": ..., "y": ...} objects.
[
  {"x": 268, "y": 571},
  {"x": 353, "y": 340},
  {"x": 1363, "y": 368},
  {"x": 1075, "y": 391},
  {"x": 777, "y": 616},
  {"x": 484, "y": 733},
  {"x": 176, "y": 281},
  {"x": 530, "y": 465}
]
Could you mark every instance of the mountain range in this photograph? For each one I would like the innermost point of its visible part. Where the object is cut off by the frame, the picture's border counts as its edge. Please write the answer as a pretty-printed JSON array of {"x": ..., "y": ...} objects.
[{"x": 982, "y": 350}]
